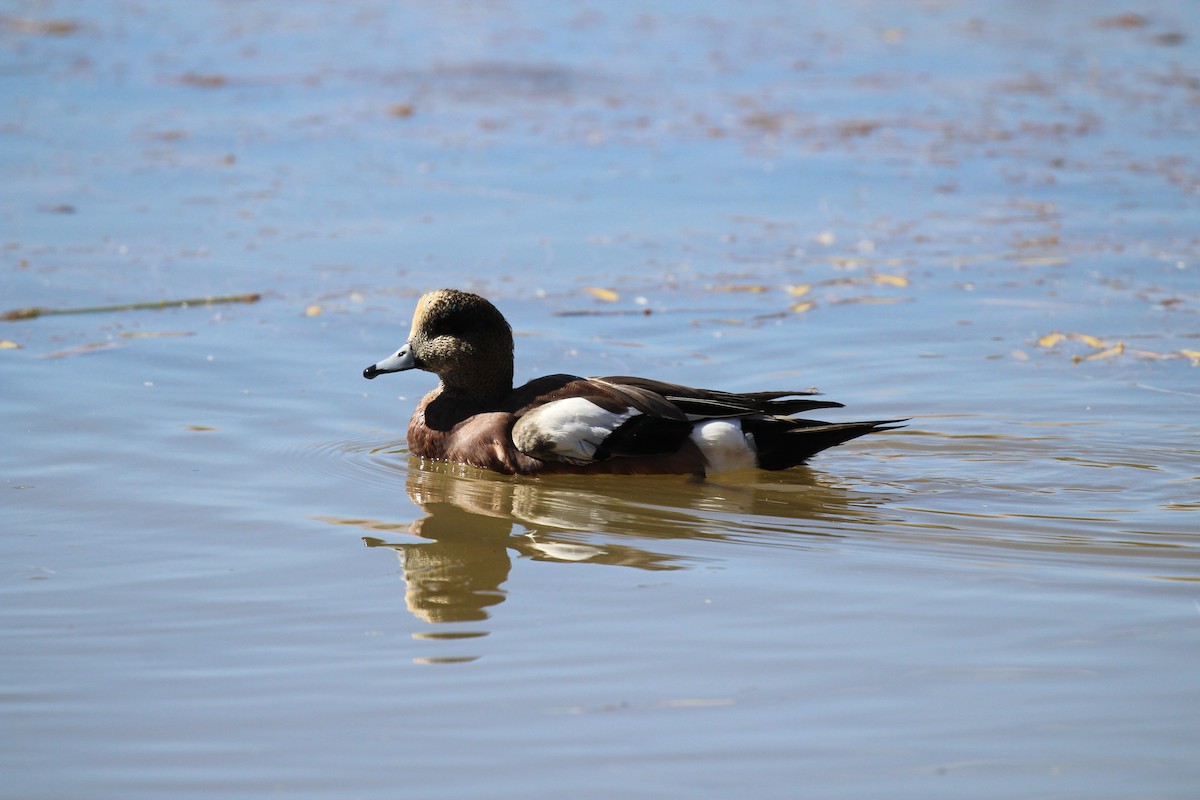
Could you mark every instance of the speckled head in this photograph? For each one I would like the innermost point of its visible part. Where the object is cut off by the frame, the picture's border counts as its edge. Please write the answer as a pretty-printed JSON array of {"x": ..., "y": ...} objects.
[{"x": 460, "y": 337}]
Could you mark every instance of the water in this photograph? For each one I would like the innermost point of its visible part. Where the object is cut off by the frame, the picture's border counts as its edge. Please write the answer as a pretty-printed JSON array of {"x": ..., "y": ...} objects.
[{"x": 223, "y": 575}]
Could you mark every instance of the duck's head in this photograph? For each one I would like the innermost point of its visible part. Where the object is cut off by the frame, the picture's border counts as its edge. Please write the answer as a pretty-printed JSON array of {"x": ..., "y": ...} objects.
[{"x": 461, "y": 338}]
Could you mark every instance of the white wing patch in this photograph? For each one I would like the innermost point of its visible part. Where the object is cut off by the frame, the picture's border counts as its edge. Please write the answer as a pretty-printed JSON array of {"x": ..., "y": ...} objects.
[
  {"x": 724, "y": 445},
  {"x": 567, "y": 430}
]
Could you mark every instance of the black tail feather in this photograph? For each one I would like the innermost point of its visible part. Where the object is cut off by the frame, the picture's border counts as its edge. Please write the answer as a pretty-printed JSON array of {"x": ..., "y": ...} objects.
[
  {"x": 784, "y": 443},
  {"x": 780, "y": 440}
]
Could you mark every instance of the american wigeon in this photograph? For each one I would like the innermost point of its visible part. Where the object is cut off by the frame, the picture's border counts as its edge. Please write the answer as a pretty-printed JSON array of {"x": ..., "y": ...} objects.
[{"x": 563, "y": 423}]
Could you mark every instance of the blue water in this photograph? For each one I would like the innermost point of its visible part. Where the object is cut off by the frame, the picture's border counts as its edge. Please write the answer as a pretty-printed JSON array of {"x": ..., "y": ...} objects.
[{"x": 221, "y": 574}]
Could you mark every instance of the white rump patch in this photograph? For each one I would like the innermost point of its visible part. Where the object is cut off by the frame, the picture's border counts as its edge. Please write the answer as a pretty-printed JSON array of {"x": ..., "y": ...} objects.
[
  {"x": 724, "y": 445},
  {"x": 567, "y": 430}
]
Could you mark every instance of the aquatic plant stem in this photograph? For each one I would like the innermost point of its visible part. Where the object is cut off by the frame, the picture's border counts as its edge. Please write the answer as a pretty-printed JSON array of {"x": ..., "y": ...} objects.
[{"x": 35, "y": 312}]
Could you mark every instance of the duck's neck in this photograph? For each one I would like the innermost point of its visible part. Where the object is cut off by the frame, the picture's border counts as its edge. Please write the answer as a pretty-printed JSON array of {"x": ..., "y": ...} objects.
[{"x": 486, "y": 388}]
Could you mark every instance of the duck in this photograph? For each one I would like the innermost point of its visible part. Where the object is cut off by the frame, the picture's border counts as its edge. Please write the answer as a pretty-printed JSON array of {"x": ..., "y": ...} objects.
[{"x": 562, "y": 423}]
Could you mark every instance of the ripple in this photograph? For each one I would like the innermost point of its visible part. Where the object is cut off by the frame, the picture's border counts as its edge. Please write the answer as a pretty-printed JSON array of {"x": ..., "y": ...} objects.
[
  {"x": 936, "y": 494},
  {"x": 366, "y": 459}
]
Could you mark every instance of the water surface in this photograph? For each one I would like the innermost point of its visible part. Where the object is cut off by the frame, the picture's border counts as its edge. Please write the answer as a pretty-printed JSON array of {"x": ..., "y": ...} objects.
[{"x": 223, "y": 574}]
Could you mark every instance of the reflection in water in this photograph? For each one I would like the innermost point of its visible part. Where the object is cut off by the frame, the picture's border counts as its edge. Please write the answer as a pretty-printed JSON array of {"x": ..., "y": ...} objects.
[{"x": 456, "y": 569}]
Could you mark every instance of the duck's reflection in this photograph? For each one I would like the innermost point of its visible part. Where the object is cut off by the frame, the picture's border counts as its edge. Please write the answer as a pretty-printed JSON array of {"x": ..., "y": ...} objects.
[
  {"x": 457, "y": 574},
  {"x": 456, "y": 567}
]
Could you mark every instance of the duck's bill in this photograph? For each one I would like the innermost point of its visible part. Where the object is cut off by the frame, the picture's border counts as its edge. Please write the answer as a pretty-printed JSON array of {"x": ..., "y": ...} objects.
[{"x": 399, "y": 361}]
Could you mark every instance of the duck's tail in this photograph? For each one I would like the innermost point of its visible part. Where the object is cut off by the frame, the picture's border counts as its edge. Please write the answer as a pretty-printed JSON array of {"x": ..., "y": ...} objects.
[{"x": 784, "y": 442}]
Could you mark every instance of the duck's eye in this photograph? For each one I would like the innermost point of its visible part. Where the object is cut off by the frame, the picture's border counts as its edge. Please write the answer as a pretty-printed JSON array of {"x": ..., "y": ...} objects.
[{"x": 457, "y": 328}]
